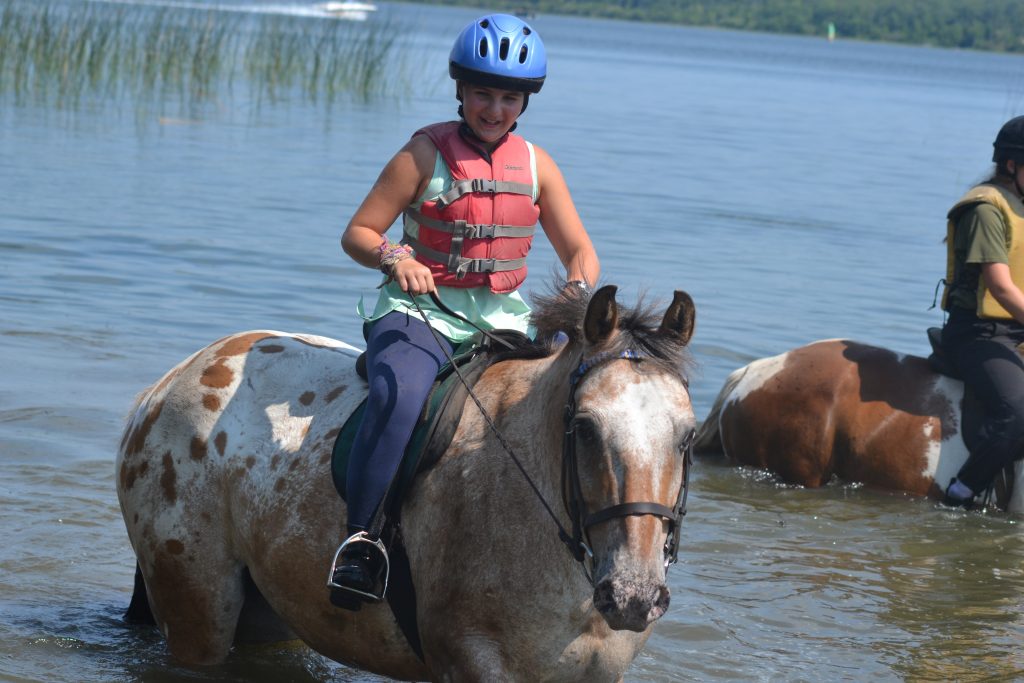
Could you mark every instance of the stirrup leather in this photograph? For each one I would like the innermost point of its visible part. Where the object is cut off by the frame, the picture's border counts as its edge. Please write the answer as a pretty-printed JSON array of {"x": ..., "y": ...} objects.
[{"x": 361, "y": 537}]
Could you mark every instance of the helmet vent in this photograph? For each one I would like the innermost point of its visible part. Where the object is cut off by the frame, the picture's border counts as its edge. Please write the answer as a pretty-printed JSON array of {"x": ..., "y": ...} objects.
[
  {"x": 483, "y": 47},
  {"x": 523, "y": 52},
  {"x": 503, "y": 49},
  {"x": 526, "y": 31},
  {"x": 484, "y": 23}
]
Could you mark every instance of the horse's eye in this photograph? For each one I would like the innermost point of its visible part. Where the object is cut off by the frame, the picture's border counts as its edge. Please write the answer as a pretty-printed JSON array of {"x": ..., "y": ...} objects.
[{"x": 586, "y": 431}]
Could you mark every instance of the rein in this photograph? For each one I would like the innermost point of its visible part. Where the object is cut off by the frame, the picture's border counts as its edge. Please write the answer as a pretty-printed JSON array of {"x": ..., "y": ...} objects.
[{"x": 578, "y": 542}]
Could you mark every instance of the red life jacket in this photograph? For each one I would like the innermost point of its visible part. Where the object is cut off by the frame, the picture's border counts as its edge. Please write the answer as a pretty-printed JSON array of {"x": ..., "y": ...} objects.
[{"x": 480, "y": 231}]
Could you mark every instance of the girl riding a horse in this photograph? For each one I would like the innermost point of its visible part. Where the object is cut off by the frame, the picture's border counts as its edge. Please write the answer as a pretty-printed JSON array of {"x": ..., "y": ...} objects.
[
  {"x": 471, "y": 193},
  {"x": 985, "y": 302}
]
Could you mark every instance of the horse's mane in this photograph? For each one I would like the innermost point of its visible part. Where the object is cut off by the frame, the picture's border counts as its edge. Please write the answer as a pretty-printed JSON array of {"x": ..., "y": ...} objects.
[{"x": 560, "y": 311}]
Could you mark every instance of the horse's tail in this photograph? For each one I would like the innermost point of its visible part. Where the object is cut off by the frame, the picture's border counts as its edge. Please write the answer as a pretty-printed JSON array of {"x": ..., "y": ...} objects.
[
  {"x": 138, "y": 611},
  {"x": 709, "y": 437}
]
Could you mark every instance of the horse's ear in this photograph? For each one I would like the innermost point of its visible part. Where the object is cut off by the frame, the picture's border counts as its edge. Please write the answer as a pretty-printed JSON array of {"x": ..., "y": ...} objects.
[
  {"x": 602, "y": 315},
  {"x": 680, "y": 317}
]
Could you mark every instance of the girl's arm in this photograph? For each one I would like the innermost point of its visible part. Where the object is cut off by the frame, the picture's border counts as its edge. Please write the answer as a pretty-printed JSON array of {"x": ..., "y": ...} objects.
[
  {"x": 403, "y": 179},
  {"x": 562, "y": 224}
]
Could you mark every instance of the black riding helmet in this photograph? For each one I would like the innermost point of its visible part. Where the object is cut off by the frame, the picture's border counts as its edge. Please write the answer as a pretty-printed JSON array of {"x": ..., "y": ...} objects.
[{"x": 1009, "y": 143}]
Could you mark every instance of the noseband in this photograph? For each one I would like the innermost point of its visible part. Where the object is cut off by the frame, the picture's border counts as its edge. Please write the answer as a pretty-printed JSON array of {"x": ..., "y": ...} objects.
[{"x": 572, "y": 492}]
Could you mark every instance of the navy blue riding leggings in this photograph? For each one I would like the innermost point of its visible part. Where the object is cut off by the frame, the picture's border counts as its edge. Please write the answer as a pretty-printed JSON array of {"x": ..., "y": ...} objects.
[
  {"x": 402, "y": 360},
  {"x": 985, "y": 352}
]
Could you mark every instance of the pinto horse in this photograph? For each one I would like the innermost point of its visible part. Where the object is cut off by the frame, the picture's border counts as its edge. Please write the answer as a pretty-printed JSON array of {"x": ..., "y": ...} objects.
[
  {"x": 224, "y": 482},
  {"x": 840, "y": 408}
]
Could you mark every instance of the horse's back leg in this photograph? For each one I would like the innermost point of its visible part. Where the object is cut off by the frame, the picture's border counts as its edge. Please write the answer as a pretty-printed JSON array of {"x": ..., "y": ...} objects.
[
  {"x": 138, "y": 611},
  {"x": 196, "y": 597},
  {"x": 258, "y": 622}
]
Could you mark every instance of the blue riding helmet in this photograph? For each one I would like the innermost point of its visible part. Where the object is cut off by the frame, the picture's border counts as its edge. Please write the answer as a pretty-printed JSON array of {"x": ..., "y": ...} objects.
[{"x": 499, "y": 51}]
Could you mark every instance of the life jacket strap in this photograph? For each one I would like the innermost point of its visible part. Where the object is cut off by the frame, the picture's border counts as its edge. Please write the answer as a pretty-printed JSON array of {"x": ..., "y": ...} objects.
[
  {"x": 473, "y": 231},
  {"x": 468, "y": 185},
  {"x": 459, "y": 265}
]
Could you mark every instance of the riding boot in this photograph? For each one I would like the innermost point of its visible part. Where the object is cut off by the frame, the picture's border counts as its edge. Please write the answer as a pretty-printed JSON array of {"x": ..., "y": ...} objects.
[
  {"x": 954, "y": 497},
  {"x": 359, "y": 571},
  {"x": 356, "y": 568}
]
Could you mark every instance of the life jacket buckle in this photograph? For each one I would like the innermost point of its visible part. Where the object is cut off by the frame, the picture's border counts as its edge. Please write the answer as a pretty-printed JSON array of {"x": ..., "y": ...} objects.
[{"x": 483, "y": 185}]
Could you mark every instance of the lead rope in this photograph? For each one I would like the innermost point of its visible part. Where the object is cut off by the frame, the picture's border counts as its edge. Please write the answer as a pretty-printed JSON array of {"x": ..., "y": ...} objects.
[{"x": 563, "y": 535}]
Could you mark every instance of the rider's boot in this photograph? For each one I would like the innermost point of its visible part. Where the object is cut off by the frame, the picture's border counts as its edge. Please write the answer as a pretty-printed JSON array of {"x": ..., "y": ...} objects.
[
  {"x": 359, "y": 571},
  {"x": 958, "y": 495}
]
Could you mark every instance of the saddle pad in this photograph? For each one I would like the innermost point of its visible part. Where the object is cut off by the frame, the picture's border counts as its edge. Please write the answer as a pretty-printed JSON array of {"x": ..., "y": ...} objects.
[{"x": 434, "y": 429}]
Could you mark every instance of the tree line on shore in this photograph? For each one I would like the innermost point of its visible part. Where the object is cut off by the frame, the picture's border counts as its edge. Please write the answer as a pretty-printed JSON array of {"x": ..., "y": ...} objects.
[{"x": 996, "y": 25}]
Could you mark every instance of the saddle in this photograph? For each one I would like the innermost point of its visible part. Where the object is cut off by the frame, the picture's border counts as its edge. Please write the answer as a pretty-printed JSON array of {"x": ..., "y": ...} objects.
[
  {"x": 440, "y": 417},
  {"x": 430, "y": 439}
]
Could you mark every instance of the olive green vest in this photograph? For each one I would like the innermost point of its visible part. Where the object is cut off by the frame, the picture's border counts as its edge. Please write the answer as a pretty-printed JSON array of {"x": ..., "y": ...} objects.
[{"x": 1012, "y": 211}]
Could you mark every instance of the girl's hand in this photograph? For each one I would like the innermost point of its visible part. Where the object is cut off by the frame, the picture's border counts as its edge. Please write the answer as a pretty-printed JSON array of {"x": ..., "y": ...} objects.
[{"x": 413, "y": 277}]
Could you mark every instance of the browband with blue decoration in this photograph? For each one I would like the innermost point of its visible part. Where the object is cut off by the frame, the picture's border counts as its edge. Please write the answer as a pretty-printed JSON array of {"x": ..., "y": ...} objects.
[{"x": 586, "y": 365}]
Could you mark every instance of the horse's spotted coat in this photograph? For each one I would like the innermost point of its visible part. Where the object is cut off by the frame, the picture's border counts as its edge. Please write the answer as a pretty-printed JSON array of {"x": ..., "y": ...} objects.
[{"x": 224, "y": 468}]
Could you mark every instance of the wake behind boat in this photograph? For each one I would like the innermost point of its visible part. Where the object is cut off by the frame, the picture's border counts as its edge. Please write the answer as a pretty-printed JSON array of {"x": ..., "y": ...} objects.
[{"x": 348, "y": 9}]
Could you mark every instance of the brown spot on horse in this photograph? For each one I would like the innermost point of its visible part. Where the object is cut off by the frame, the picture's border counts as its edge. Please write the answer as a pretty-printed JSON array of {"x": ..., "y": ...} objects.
[
  {"x": 240, "y": 344},
  {"x": 220, "y": 441},
  {"x": 129, "y": 474},
  {"x": 169, "y": 479},
  {"x": 197, "y": 448},
  {"x": 270, "y": 348},
  {"x": 217, "y": 375},
  {"x": 135, "y": 437}
]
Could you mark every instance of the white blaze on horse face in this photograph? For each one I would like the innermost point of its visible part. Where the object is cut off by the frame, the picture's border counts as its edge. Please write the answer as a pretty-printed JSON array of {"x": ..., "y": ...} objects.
[
  {"x": 642, "y": 417},
  {"x": 643, "y": 414}
]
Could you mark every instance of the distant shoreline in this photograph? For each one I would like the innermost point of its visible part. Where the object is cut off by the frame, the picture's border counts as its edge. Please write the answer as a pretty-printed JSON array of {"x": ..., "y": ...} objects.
[{"x": 987, "y": 25}]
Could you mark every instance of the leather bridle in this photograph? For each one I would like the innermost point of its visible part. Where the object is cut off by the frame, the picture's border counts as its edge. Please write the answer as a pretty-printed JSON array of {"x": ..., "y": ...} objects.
[
  {"x": 572, "y": 494},
  {"x": 578, "y": 541}
]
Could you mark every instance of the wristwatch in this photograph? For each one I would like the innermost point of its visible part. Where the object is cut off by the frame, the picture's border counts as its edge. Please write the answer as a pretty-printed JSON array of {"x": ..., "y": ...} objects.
[{"x": 582, "y": 285}]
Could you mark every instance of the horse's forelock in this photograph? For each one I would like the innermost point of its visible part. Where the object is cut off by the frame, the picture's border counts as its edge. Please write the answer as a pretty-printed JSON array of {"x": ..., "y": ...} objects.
[{"x": 638, "y": 328}]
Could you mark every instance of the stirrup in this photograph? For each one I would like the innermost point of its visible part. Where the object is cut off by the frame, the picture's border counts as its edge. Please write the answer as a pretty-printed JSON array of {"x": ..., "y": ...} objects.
[{"x": 361, "y": 537}]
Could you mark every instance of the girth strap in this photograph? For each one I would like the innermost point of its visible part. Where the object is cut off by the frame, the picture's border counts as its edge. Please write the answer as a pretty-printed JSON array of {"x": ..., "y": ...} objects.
[
  {"x": 627, "y": 509},
  {"x": 468, "y": 185}
]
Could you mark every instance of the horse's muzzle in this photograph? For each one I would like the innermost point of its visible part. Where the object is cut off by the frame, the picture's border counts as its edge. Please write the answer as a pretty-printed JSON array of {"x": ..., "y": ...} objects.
[{"x": 629, "y": 602}]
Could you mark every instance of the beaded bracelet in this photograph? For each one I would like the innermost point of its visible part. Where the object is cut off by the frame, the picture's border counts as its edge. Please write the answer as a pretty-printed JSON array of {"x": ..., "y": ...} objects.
[{"x": 390, "y": 254}]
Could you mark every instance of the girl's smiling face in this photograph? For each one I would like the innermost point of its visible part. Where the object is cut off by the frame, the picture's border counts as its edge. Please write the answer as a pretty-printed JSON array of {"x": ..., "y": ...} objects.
[{"x": 490, "y": 112}]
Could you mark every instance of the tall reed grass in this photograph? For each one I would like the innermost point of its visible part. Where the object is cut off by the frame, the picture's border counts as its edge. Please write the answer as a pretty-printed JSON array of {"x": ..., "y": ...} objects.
[{"x": 70, "y": 52}]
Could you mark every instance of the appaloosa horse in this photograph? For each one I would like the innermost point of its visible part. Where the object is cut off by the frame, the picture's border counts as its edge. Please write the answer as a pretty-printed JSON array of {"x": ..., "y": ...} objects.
[
  {"x": 845, "y": 409},
  {"x": 224, "y": 482}
]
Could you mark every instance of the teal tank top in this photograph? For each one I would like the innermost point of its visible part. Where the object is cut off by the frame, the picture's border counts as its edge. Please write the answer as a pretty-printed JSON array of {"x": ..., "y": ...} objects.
[{"x": 485, "y": 308}]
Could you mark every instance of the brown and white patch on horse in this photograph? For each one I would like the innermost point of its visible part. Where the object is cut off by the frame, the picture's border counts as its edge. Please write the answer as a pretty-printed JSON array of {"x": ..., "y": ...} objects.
[{"x": 839, "y": 408}]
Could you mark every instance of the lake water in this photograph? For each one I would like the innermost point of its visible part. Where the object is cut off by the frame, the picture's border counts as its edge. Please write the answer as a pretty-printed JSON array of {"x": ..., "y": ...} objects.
[{"x": 796, "y": 188}]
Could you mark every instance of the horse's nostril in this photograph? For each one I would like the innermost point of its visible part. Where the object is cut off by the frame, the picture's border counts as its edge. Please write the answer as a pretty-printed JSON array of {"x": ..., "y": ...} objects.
[
  {"x": 661, "y": 602},
  {"x": 604, "y": 596},
  {"x": 664, "y": 597}
]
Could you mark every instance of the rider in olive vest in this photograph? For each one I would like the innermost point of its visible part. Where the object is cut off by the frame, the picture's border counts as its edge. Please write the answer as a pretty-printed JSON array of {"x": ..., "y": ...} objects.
[{"x": 984, "y": 297}]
